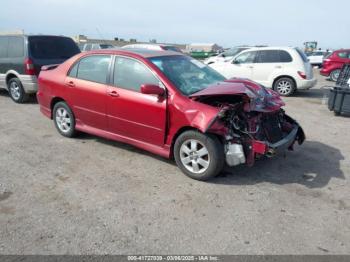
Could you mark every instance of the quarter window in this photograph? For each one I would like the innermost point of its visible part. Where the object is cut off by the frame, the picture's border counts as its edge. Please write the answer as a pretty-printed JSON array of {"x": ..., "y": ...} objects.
[
  {"x": 16, "y": 46},
  {"x": 131, "y": 74},
  {"x": 92, "y": 68}
]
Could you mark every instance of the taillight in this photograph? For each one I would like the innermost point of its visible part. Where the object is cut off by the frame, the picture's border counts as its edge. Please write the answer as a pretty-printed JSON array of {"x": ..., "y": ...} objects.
[
  {"x": 302, "y": 74},
  {"x": 29, "y": 67}
]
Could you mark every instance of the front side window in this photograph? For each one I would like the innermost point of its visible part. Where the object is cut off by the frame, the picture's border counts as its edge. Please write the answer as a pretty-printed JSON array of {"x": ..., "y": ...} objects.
[
  {"x": 232, "y": 52},
  {"x": 131, "y": 74},
  {"x": 92, "y": 68},
  {"x": 187, "y": 74},
  {"x": 343, "y": 55},
  {"x": 245, "y": 58}
]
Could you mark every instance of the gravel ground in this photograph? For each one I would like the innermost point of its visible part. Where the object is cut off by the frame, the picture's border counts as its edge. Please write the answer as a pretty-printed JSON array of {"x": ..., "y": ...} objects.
[{"x": 93, "y": 196}]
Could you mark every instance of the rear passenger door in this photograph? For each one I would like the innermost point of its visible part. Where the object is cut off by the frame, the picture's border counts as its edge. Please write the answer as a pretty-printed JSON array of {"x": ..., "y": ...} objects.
[
  {"x": 270, "y": 63},
  {"x": 87, "y": 90}
]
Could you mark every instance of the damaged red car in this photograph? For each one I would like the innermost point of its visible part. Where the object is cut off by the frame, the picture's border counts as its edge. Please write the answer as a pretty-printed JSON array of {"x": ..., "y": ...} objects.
[{"x": 168, "y": 104}]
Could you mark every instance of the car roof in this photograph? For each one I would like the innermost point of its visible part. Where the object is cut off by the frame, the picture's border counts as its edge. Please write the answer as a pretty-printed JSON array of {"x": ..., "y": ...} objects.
[
  {"x": 270, "y": 48},
  {"x": 342, "y": 50},
  {"x": 146, "y": 53}
]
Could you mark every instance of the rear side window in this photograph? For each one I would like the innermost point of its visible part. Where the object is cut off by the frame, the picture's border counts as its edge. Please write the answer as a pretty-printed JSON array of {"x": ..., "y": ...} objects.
[
  {"x": 52, "y": 47},
  {"x": 3, "y": 46},
  {"x": 92, "y": 68},
  {"x": 16, "y": 46},
  {"x": 268, "y": 56},
  {"x": 302, "y": 55},
  {"x": 131, "y": 74},
  {"x": 285, "y": 56}
]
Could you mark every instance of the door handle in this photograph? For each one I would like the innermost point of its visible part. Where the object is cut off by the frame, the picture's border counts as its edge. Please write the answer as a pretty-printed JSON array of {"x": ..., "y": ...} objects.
[
  {"x": 70, "y": 83},
  {"x": 250, "y": 66},
  {"x": 113, "y": 93},
  {"x": 278, "y": 66}
]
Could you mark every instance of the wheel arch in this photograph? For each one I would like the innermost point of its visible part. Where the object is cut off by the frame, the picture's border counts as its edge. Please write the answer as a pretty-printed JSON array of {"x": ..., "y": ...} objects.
[
  {"x": 54, "y": 101},
  {"x": 284, "y": 76},
  {"x": 189, "y": 128},
  {"x": 11, "y": 74}
]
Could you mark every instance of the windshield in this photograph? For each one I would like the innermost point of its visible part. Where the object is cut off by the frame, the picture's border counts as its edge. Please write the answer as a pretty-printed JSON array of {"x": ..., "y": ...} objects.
[
  {"x": 52, "y": 47},
  {"x": 187, "y": 74}
]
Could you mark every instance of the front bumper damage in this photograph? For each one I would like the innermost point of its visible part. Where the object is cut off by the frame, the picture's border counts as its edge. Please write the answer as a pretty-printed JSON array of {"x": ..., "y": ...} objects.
[{"x": 248, "y": 152}]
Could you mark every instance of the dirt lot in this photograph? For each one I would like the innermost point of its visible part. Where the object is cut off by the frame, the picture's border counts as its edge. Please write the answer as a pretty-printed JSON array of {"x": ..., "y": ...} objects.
[{"x": 93, "y": 196}]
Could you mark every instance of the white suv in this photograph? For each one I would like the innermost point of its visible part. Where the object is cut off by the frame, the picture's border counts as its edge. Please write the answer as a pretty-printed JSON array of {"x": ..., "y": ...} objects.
[{"x": 285, "y": 69}]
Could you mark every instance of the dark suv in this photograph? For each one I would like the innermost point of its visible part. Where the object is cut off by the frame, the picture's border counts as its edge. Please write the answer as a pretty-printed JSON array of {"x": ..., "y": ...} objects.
[{"x": 22, "y": 56}]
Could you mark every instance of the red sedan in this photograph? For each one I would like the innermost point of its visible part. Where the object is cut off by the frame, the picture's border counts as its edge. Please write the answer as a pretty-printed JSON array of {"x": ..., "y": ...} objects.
[
  {"x": 169, "y": 104},
  {"x": 334, "y": 62}
]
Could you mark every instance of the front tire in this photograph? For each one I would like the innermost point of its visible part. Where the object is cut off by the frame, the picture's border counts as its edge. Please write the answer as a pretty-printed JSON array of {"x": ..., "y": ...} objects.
[
  {"x": 334, "y": 75},
  {"x": 16, "y": 91},
  {"x": 198, "y": 155},
  {"x": 64, "y": 119},
  {"x": 285, "y": 86}
]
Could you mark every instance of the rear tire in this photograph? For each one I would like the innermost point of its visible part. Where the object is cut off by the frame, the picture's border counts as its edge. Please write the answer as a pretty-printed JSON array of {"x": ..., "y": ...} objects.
[
  {"x": 334, "y": 75},
  {"x": 199, "y": 156},
  {"x": 285, "y": 86},
  {"x": 64, "y": 119},
  {"x": 16, "y": 91}
]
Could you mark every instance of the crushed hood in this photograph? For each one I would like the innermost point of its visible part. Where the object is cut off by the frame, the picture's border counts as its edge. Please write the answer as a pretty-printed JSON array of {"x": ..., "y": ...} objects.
[{"x": 260, "y": 99}]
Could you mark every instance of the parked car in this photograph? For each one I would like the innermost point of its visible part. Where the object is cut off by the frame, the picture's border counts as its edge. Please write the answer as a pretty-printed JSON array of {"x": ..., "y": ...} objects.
[
  {"x": 285, "y": 69},
  {"x": 22, "y": 56},
  {"x": 91, "y": 46},
  {"x": 226, "y": 55},
  {"x": 333, "y": 63},
  {"x": 169, "y": 104},
  {"x": 155, "y": 47},
  {"x": 316, "y": 57}
]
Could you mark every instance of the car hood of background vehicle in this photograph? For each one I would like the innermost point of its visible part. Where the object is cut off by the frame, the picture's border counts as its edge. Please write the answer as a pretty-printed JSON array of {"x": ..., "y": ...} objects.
[{"x": 261, "y": 99}]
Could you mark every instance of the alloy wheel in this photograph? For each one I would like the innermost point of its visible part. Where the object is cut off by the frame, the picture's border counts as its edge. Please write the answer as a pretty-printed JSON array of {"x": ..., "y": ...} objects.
[
  {"x": 15, "y": 90},
  {"x": 284, "y": 87},
  {"x": 194, "y": 156},
  {"x": 63, "y": 120}
]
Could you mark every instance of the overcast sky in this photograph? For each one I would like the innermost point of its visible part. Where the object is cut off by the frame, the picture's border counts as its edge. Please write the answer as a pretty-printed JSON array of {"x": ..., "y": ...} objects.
[{"x": 228, "y": 23}]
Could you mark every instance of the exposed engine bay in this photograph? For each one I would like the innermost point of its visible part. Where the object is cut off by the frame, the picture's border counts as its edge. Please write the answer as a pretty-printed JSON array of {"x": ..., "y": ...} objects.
[{"x": 253, "y": 126}]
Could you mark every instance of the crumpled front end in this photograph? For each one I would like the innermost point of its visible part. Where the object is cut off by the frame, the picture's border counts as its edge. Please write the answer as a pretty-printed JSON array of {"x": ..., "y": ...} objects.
[
  {"x": 259, "y": 134},
  {"x": 255, "y": 124}
]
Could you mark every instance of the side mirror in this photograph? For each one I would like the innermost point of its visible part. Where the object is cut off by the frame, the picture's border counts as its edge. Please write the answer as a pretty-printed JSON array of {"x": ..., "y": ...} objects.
[
  {"x": 150, "y": 89},
  {"x": 235, "y": 61}
]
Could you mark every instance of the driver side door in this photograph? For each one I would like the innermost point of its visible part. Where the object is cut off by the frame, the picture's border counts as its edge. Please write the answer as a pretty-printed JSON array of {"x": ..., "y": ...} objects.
[{"x": 130, "y": 113}]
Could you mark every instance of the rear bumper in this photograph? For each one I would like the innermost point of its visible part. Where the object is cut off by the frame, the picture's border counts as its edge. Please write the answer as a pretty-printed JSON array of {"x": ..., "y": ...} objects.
[
  {"x": 325, "y": 72},
  {"x": 307, "y": 83},
  {"x": 29, "y": 83}
]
